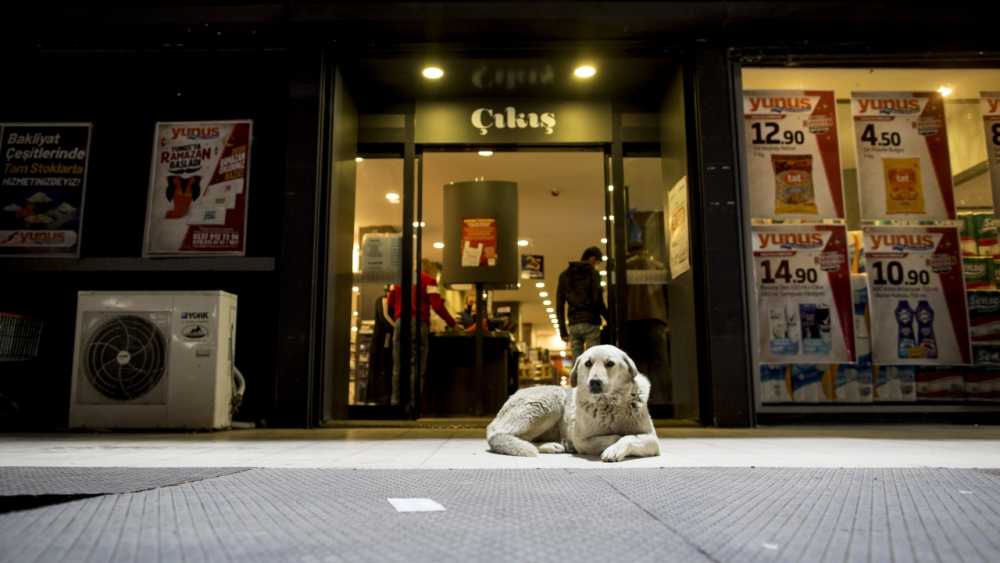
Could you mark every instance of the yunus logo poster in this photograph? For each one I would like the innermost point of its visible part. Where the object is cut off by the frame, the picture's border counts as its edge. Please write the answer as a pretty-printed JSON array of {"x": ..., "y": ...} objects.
[
  {"x": 990, "y": 104},
  {"x": 804, "y": 310},
  {"x": 916, "y": 294},
  {"x": 198, "y": 188},
  {"x": 793, "y": 154},
  {"x": 43, "y": 177},
  {"x": 904, "y": 171}
]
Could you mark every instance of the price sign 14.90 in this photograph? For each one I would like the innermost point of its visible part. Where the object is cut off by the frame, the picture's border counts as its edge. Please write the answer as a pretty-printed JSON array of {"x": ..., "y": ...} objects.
[{"x": 785, "y": 274}]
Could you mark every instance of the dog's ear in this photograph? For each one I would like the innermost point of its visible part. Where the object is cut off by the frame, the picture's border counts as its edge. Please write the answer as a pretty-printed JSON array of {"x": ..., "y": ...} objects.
[
  {"x": 572, "y": 374},
  {"x": 632, "y": 371}
]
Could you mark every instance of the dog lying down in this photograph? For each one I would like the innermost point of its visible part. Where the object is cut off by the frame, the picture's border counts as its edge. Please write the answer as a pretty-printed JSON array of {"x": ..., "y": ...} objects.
[{"x": 604, "y": 415}]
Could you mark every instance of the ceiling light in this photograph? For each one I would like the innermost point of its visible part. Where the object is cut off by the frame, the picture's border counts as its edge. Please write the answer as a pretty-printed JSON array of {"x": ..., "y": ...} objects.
[
  {"x": 604, "y": 273},
  {"x": 944, "y": 90},
  {"x": 543, "y": 294},
  {"x": 611, "y": 188},
  {"x": 546, "y": 302},
  {"x": 433, "y": 72},
  {"x": 518, "y": 284},
  {"x": 552, "y": 315},
  {"x": 355, "y": 289},
  {"x": 550, "y": 310},
  {"x": 438, "y": 245},
  {"x": 605, "y": 217},
  {"x": 585, "y": 71},
  {"x": 604, "y": 241},
  {"x": 612, "y": 217},
  {"x": 522, "y": 243},
  {"x": 422, "y": 224},
  {"x": 540, "y": 284},
  {"x": 485, "y": 153},
  {"x": 354, "y": 329},
  {"x": 358, "y": 159},
  {"x": 392, "y": 197},
  {"x": 604, "y": 284},
  {"x": 355, "y": 313},
  {"x": 562, "y": 353}
]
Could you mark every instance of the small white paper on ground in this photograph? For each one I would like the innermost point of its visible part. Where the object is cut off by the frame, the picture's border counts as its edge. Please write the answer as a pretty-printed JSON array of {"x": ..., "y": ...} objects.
[{"x": 415, "y": 505}]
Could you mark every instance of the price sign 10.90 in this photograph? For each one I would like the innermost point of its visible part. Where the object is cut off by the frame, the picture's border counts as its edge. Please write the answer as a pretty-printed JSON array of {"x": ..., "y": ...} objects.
[
  {"x": 784, "y": 273},
  {"x": 893, "y": 273}
]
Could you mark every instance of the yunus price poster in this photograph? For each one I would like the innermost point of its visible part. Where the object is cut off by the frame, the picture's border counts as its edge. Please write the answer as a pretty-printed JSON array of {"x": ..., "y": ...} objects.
[
  {"x": 916, "y": 295},
  {"x": 904, "y": 171},
  {"x": 198, "y": 188},
  {"x": 804, "y": 310},
  {"x": 793, "y": 154},
  {"x": 43, "y": 176},
  {"x": 990, "y": 104}
]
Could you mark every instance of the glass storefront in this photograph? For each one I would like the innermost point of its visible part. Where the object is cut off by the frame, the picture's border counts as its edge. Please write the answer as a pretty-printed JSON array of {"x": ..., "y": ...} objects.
[{"x": 872, "y": 238}]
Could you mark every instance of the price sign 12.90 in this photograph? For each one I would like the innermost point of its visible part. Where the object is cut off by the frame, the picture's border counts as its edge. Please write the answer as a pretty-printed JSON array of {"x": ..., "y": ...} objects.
[
  {"x": 916, "y": 292},
  {"x": 804, "y": 310}
]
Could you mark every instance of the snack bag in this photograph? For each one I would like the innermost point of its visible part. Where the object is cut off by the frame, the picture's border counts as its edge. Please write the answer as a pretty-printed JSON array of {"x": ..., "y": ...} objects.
[
  {"x": 904, "y": 192},
  {"x": 793, "y": 183}
]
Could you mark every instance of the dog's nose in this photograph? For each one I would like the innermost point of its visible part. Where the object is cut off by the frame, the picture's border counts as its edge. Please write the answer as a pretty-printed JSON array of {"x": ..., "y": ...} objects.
[{"x": 595, "y": 385}]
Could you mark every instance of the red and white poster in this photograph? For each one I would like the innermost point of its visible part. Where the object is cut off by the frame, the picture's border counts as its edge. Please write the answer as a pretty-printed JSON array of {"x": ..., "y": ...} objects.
[
  {"x": 990, "y": 104},
  {"x": 916, "y": 296},
  {"x": 793, "y": 154},
  {"x": 198, "y": 188},
  {"x": 479, "y": 241},
  {"x": 904, "y": 171},
  {"x": 805, "y": 314}
]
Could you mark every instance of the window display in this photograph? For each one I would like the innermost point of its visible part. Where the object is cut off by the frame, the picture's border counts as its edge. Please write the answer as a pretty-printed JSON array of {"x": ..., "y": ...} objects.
[{"x": 921, "y": 235}]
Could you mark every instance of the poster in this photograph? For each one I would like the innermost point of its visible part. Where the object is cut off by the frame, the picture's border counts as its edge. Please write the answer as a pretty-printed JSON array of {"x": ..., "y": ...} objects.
[
  {"x": 989, "y": 102},
  {"x": 381, "y": 255},
  {"x": 805, "y": 313},
  {"x": 916, "y": 295},
  {"x": 479, "y": 241},
  {"x": 42, "y": 185},
  {"x": 904, "y": 171},
  {"x": 198, "y": 188},
  {"x": 532, "y": 267},
  {"x": 793, "y": 154},
  {"x": 680, "y": 259}
]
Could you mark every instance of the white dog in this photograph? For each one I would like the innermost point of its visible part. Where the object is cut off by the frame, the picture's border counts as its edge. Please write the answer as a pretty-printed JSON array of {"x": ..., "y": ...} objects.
[{"x": 607, "y": 416}]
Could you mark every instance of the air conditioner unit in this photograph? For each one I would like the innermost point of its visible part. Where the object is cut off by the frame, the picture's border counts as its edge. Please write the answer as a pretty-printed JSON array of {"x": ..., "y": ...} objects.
[{"x": 153, "y": 359}]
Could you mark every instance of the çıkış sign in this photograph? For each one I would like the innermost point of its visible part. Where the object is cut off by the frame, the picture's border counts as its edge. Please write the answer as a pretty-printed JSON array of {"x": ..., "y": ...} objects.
[{"x": 507, "y": 121}]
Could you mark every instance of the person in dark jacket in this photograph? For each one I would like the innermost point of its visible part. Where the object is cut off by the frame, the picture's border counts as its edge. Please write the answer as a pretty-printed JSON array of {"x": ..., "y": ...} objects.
[{"x": 580, "y": 292}]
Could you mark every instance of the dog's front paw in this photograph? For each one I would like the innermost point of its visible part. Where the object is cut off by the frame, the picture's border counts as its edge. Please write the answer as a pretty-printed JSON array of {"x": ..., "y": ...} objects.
[
  {"x": 551, "y": 448},
  {"x": 568, "y": 446},
  {"x": 616, "y": 452}
]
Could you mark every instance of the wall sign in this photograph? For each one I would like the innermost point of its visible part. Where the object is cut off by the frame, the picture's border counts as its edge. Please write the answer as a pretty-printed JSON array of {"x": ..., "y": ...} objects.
[
  {"x": 381, "y": 255},
  {"x": 513, "y": 121},
  {"x": 42, "y": 183},
  {"x": 532, "y": 267},
  {"x": 990, "y": 104},
  {"x": 805, "y": 313},
  {"x": 479, "y": 241},
  {"x": 198, "y": 188},
  {"x": 904, "y": 171},
  {"x": 916, "y": 292},
  {"x": 793, "y": 154},
  {"x": 680, "y": 259}
]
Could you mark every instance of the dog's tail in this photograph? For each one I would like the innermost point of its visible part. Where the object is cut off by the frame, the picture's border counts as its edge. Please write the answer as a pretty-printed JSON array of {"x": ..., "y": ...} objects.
[{"x": 509, "y": 444}]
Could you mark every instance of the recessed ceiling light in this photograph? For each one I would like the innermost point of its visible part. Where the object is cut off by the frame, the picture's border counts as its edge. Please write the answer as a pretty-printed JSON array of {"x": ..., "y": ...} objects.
[
  {"x": 546, "y": 302},
  {"x": 585, "y": 71},
  {"x": 438, "y": 245},
  {"x": 612, "y": 217},
  {"x": 485, "y": 153},
  {"x": 355, "y": 289},
  {"x": 552, "y": 315},
  {"x": 433, "y": 72},
  {"x": 543, "y": 294},
  {"x": 518, "y": 284},
  {"x": 604, "y": 241},
  {"x": 355, "y": 313},
  {"x": 604, "y": 284},
  {"x": 522, "y": 243},
  {"x": 604, "y": 273},
  {"x": 944, "y": 90},
  {"x": 540, "y": 284},
  {"x": 611, "y": 188},
  {"x": 358, "y": 159},
  {"x": 562, "y": 353},
  {"x": 550, "y": 310},
  {"x": 354, "y": 329},
  {"x": 392, "y": 197}
]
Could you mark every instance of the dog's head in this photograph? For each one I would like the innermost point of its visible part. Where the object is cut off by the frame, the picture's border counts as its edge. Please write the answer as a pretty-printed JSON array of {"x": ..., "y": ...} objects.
[{"x": 601, "y": 369}]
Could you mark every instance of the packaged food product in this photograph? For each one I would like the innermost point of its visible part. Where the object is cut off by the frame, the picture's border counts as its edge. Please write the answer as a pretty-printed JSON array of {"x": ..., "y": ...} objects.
[
  {"x": 793, "y": 182},
  {"x": 904, "y": 192}
]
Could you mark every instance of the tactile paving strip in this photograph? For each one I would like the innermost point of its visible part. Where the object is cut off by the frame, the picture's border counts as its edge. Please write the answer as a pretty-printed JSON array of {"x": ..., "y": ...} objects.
[
  {"x": 20, "y": 481},
  {"x": 701, "y": 514}
]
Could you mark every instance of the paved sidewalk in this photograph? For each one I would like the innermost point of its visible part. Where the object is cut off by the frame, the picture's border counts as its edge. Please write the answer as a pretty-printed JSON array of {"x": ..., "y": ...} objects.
[{"x": 413, "y": 448}]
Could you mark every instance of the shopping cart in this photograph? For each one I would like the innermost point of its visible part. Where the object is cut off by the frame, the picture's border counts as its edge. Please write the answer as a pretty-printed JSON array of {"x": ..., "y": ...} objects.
[{"x": 19, "y": 337}]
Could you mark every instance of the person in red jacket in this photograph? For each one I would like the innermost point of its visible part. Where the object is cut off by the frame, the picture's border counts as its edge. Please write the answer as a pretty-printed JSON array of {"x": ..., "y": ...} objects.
[{"x": 429, "y": 297}]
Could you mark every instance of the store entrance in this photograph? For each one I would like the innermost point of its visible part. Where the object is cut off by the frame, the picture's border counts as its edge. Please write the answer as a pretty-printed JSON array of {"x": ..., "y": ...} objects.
[{"x": 593, "y": 197}]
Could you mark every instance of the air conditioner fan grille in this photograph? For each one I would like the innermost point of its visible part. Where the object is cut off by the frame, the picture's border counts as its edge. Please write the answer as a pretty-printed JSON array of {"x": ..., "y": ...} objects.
[{"x": 126, "y": 357}]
